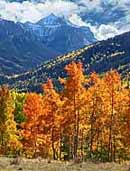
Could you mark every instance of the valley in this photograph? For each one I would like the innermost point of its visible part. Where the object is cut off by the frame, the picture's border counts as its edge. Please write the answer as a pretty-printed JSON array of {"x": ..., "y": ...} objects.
[{"x": 100, "y": 57}]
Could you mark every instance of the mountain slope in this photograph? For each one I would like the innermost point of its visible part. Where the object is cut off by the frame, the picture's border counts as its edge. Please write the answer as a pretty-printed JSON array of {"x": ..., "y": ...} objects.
[
  {"x": 19, "y": 49},
  {"x": 59, "y": 34},
  {"x": 24, "y": 46},
  {"x": 100, "y": 57}
]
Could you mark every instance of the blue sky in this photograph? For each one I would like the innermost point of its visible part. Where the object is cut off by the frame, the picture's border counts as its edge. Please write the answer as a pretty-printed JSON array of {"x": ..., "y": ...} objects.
[{"x": 34, "y": 11}]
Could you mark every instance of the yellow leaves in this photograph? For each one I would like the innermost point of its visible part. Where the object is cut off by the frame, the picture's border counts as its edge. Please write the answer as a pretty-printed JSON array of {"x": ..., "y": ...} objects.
[
  {"x": 8, "y": 128},
  {"x": 62, "y": 81},
  {"x": 48, "y": 86},
  {"x": 112, "y": 78},
  {"x": 14, "y": 144},
  {"x": 33, "y": 105},
  {"x": 74, "y": 70},
  {"x": 84, "y": 108},
  {"x": 94, "y": 78}
]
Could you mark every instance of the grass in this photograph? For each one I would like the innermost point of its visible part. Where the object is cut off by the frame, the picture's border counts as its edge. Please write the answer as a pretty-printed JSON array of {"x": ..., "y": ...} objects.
[{"x": 42, "y": 165}]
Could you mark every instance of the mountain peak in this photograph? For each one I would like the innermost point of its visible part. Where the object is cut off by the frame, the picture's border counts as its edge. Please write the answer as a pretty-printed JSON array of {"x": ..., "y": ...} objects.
[{"x": 52, "y": 19}]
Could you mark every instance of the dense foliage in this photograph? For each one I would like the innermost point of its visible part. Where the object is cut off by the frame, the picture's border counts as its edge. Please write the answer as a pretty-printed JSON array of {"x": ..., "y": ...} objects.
[{"x": 88, "y": 119}]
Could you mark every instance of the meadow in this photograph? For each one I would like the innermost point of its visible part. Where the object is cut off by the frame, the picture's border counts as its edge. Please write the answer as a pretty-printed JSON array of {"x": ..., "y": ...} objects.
[{"x": 8, "y": 164}]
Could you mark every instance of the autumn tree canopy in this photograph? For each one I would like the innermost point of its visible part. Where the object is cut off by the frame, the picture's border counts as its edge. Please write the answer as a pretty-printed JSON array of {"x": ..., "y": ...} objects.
[{"x": 88, "y": 118}]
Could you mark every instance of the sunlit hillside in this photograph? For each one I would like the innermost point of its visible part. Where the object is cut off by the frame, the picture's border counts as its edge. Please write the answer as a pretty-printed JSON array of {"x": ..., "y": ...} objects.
[{"x": 100, "y": 57}]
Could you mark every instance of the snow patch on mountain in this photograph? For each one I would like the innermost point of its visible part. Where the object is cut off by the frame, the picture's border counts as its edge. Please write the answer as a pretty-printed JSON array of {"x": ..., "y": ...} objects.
[{"x": 105, "y": 18}]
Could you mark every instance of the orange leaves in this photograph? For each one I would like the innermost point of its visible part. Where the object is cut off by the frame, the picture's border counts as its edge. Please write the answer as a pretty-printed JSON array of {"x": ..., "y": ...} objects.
[
  {"x": 47, "y": 86},
  {"x": 74, "y": 69},
  {"x": 52, "y": 114},
  {"x": 75, "y": 76},
  {"x": 33, "y": 106},
  {"x": 91, "y": 115},
  {"x": 112, "y": 78},
  {"x": 33, "y": 109},
  {"x": 94, "y": 78}
]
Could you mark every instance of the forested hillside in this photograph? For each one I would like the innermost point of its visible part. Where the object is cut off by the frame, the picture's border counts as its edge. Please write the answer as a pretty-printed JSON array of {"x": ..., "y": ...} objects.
[
  {"x": 87, "y": 119},
  {"x": 100, "y": 57}
]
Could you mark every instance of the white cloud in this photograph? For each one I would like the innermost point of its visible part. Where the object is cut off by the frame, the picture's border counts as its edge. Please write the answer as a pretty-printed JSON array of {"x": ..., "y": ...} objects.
[
  {"x": 101, "y": 32},
  {"x": 90, "y": 4},
  {"x": 76, "y": 20},
  {"x": 19, "y": 12},
  {"x": 105, "y": 31},
  {"x": 123, "y": 2},
  {"x": 32, "y": 11},
  {"x": 28, "y": 11},
  {"x": 110, "y": 2}
]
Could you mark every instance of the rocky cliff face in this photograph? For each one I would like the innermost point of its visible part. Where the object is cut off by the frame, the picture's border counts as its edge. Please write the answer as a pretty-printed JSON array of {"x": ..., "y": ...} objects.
[
  {"x": 19, "y": 49},
  {"x": 59, "y": 34}
]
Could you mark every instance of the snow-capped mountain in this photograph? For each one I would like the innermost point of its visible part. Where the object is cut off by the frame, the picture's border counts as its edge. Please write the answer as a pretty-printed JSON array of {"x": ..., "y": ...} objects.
[
  {"x": 52, "y": 21},
  {"x": 105, "y": 18},
  {"x": 61, "y": 35},
  {"x": 55, "y": 27},
  {"x": 24, "y": 46},
  {"x": 19, "y": 49}
]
